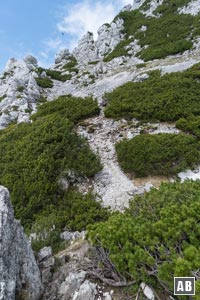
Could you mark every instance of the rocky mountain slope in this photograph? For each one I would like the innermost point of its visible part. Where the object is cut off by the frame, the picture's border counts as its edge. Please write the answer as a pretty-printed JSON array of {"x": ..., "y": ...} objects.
[{"x": 146, "y": 37}]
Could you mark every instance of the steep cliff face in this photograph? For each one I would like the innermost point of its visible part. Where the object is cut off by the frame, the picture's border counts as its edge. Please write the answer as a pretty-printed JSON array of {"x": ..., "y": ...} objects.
[
  {"x": 109, "y": 35},
  {"x": 18, "y": 91},
  {"x": 19, "y": 274}
]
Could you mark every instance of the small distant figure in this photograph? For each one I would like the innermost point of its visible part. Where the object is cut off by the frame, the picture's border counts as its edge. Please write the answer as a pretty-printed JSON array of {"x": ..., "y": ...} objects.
[{"x": 63, "y": 33}]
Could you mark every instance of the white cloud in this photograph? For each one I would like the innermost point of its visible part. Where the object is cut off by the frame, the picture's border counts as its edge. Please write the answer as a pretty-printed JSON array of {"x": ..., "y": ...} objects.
[
  {"x": 88, "y": 15},
  {"x": 53, "y": 43},
  {"x": 122, "y": 3},
  {"x": 74, "y": 20},
  {"x": 43, "y": 54},
  {"x": 52, "y": 46}
]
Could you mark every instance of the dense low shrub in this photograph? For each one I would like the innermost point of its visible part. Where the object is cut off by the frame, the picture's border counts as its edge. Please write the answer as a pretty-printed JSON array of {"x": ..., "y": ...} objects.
[
  {"x": 39, "y": 70},
  {"x": 20, "y": 89},
  {"x": 159, "y": 154},
  {"x": 41, "y": 100},
  {"x": 93, "y": 62},
  {"x": 157, "y": 238},
  {"x": 73, "y": 211},
  {"x": 75, "y": 70},
  {"x": 142, "y": 65},
  {"x": 190, "y": 125},
  {"x": 56, "y": 75},
  {"x": 2, "y": 97},
  {"x": 70, "y": 65},
  {"x": 43, "y": 151},
  {"x": 73, "y": 108},
  {"x": 164, "y": 98},
  {"x": 44, "y": 82},
  {"x": 165, "y": 35}
]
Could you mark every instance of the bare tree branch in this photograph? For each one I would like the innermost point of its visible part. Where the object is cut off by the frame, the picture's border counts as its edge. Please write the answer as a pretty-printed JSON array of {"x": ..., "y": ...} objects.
[{"x": 110, "y": 282}]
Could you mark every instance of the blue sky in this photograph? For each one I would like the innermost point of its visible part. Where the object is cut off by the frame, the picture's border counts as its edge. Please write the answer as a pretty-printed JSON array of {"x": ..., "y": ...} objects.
[{"x": 35, "y": 26}]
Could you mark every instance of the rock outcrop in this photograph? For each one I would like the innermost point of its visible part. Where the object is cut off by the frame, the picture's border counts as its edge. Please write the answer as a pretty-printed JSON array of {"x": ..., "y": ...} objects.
[
  {"x": 18, "y": 91},
  {"x": 137, "y": 3},
  {"x": 31, "y": 61},
  {"x": 46, "y": 263},
  {"x": 192, "y": 8},
  {"x": 70, "y": 279},
  {"x": 109, "y": 35},
  {"x": 19, "y": 274},
  {"x": 62, "y": 55},
  {"x": 85, "y": 51}
]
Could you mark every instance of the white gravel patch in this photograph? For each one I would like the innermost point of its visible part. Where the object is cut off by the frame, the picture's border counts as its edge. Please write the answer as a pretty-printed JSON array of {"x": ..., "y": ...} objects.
[
  {"x": 153, "y": 6},
  {"x": 193, "y": 8},
  {"x": 177, "y": 67},
  {"x": 190, "y": 174}
]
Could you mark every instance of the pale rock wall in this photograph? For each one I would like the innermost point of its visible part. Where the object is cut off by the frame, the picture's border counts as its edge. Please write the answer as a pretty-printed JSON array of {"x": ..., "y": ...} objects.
[
  {"x": 16, "y": 105},
  {"x": 137, "y": 3},
  {"x": 109, "y": 35},
  {"x": 192, "y": 8},
  {"x": 85, "y": 51},
  {"x": 19, "y": 274}
]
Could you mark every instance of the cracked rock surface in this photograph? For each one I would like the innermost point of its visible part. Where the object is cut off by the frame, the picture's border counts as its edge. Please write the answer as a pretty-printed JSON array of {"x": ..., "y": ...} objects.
[{"x": 19, "y": 273}]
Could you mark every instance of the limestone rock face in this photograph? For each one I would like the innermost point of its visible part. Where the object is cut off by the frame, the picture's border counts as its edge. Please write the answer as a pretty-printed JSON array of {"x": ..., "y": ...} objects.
[
  {"x": 109, "y": 35},
  {"x": 46, "y": 262},
  {"x": 137, "y": 3},
  {"x": 62, "y": 55},
  {"x": 87, "y": 291},
  {"x": 19, "y": 274},
  {"x": 85, "y": 51},
  {"x": 75, "y": 287},
  {"x": 68, "y": 236},
  {"x": 127, "y": 7},
  {"x": 18, "y": 91},
  {"x": 31, "y": 61},
  {"x": 71, "y": 284},
  {"x": 193, "y": 8}
]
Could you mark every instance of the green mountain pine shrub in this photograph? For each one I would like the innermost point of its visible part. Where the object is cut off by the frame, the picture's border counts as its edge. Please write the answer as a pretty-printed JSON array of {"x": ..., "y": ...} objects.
[
  {"x": 73, "y": 108},
  {"x": 157, "y": 238},
  {"x": 163, "y": 98},
  {"x": 166, "y": 35},
  {"x": 35, "y": 156},
  {"x": 44, "y": 82},
  {"x": 159, "y": 154},
  {"x": 190, "y": 125},
  {"x": 73, "y": 211}
]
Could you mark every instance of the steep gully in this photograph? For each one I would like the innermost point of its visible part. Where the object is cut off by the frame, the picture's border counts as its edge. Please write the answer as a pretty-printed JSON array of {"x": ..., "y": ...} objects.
[{"x": 113, "y": 186}]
